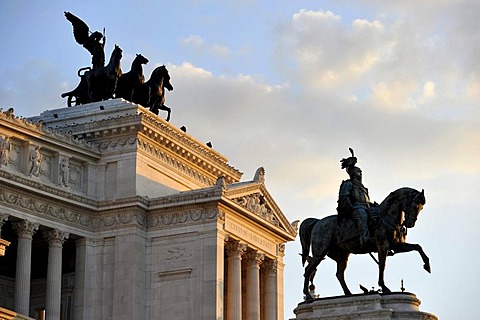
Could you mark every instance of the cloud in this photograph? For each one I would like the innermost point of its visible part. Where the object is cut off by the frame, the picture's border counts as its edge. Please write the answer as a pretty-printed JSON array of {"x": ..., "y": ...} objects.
[
  {"x": 197, "y": 43},
  {"x": 404, "y": 60}
]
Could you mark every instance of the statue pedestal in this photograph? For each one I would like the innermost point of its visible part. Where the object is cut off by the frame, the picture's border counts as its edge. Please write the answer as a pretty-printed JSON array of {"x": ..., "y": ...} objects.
[{"x": 397, "y": 305}]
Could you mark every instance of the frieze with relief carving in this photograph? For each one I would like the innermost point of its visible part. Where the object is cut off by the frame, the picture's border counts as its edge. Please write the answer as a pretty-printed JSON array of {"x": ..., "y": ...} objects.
[
  {"x": 44, "y": 209},
  {"x": 125, "y": 144},
  {"x": 168, "y": 219},
  {"x": 256, "y": 203}
]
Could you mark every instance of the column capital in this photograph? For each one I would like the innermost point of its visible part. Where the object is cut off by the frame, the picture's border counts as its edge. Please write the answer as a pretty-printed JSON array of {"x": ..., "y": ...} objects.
[
  {"x": 235, "y": 248},
  {"x": 254, "y": 256},
  {"x": 3, "y": 218},
  {"x": 55, "y": 237},
  {"x": 269, "y": 266},
  {"x": 25, "y": 229}
]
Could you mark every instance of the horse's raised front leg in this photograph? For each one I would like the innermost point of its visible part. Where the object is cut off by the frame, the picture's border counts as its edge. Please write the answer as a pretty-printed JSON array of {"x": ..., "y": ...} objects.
[
  {"x": 165, "y": 108},
  {"x": 407, "y": 247}
]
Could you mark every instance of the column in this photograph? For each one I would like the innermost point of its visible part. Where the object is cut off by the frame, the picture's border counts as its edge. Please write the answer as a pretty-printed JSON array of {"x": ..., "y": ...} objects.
[
  {"x": 253, "y": 260},
  {"x": 270, "y": 277},
  {"x": 280, "y": 287},
  {"x": 55, "y": 240},
  {"x": 84, "y": 293},
  {"x": 25, "y": 231},
  {"x": 235, "y": 250}
]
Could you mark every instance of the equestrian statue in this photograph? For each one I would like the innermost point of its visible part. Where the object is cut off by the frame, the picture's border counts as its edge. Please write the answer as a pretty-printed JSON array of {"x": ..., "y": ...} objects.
[{"x": 360, "y": 227}]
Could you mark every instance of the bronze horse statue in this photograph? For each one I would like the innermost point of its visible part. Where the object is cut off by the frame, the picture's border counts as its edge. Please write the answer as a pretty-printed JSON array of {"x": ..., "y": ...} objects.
[
  {"x": 336, "y": 236},
  {"x": 129, "y": 81},
  {"x": 152, "y": 93},
  {"x": 97, "y": 84}
]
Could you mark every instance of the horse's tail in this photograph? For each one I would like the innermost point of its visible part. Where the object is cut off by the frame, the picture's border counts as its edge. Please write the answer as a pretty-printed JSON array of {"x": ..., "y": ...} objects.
[{"x": 305, "y": 234}]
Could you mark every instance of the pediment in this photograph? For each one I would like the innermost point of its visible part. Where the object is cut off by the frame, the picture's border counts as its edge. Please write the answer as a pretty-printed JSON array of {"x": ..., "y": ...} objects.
[{"x": 254, "y": 197}]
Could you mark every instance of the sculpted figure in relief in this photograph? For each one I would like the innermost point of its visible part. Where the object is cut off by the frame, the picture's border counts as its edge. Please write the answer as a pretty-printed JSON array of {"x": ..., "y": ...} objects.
[
  {"x": 35, "y": 160},
  {"x": 64, "y": 172},
  {"x": 5, "y": 148}
]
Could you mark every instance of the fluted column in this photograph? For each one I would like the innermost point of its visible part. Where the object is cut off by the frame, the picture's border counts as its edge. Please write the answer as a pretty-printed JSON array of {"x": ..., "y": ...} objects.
[
  {"x": 55, "y": 240},
  {"x": 270, "y": 275},
  {"x": 235, "y": 250},
  {"x": 253, "y": 260},
  {"x": 25, "y": 231}
]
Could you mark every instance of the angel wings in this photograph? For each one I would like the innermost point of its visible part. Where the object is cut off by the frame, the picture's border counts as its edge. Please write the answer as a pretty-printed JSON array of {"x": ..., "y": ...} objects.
[{"x": 94, "y": 42}]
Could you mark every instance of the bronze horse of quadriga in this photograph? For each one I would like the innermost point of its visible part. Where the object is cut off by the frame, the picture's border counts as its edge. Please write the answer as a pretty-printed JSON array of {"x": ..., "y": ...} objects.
[
  {"x": 152, "y": 93},
  {"x": 132, "y": 79},
  {"x": 332, "y": 237},
  {"x": 96, "y": 84}
]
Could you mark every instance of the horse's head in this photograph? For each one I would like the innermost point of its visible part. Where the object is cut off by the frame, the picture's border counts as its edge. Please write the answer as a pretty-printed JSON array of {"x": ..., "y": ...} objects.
[
  {"x": 166, "y": 78},
  {"x": 140, "y": 59},
  {"x": 413, "y": 209},
  {"x": 117, "y": 53}
]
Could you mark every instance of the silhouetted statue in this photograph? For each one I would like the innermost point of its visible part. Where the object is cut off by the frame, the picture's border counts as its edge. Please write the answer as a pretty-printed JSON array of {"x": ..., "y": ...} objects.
[
  {"x": 353, "y": 197},
  {"x": 94, "y": 42},
  {"x": 337, "y": 236},
  {"x": 152, "y": 93},
  {"x": 131, "y": 80},
  {"x": 97, "y": 84}
]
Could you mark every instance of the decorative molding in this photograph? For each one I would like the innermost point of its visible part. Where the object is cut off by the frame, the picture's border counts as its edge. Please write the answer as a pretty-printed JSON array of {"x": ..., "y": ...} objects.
[
  {"x": 121, "y": 217},
  {"x": 37, "y": 185},
  {"x": 194, "y": 216},
  {"x": 174, "y": 163},
  {"x": 44, "y": 207},
  {"x": 38, "y": 127},
  {"x": 179, "y": 136},
  {"x": 116, "y": 145},
  {"x": 188, "y": 196}
]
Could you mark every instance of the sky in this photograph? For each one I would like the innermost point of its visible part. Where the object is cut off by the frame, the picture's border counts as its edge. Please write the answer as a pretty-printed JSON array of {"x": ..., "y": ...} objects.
[{"x": 290, "y": 86}]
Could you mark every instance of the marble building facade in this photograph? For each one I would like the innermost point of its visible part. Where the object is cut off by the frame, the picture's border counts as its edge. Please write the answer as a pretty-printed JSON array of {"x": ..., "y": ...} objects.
[{"x": 109, "y": 212}]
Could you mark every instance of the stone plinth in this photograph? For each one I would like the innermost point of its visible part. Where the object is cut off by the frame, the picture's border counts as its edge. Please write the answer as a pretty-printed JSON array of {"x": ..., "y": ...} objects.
[
  {"x": 398, "y": 306},
  {"x": 3, "y": 245}
]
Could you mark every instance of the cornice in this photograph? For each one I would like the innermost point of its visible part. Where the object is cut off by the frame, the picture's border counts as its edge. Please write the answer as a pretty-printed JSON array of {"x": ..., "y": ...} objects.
[
  {"x": 36, "y": 129},
  {"x": 187, "y": 147},
  {"x": 11, "y": 178},
  {"x": 187, "y": 197},
  {"x": 174, "y": 163}
]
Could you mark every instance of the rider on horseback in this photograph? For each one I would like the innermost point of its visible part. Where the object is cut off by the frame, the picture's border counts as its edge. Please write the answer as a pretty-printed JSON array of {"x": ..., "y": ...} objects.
[{"x": 353, "y": 197}]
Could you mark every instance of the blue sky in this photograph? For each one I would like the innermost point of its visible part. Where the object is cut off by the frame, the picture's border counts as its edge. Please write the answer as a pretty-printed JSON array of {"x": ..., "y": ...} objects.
[{"x": 290, "y": 85}]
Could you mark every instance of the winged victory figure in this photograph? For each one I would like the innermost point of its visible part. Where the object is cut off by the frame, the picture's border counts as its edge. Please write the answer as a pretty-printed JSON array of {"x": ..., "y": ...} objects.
[{"x": 93, "y": 42}]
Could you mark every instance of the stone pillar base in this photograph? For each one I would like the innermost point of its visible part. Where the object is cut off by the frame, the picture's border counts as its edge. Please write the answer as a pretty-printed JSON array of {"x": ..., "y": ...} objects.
[{"x": 397, "y": 305}]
